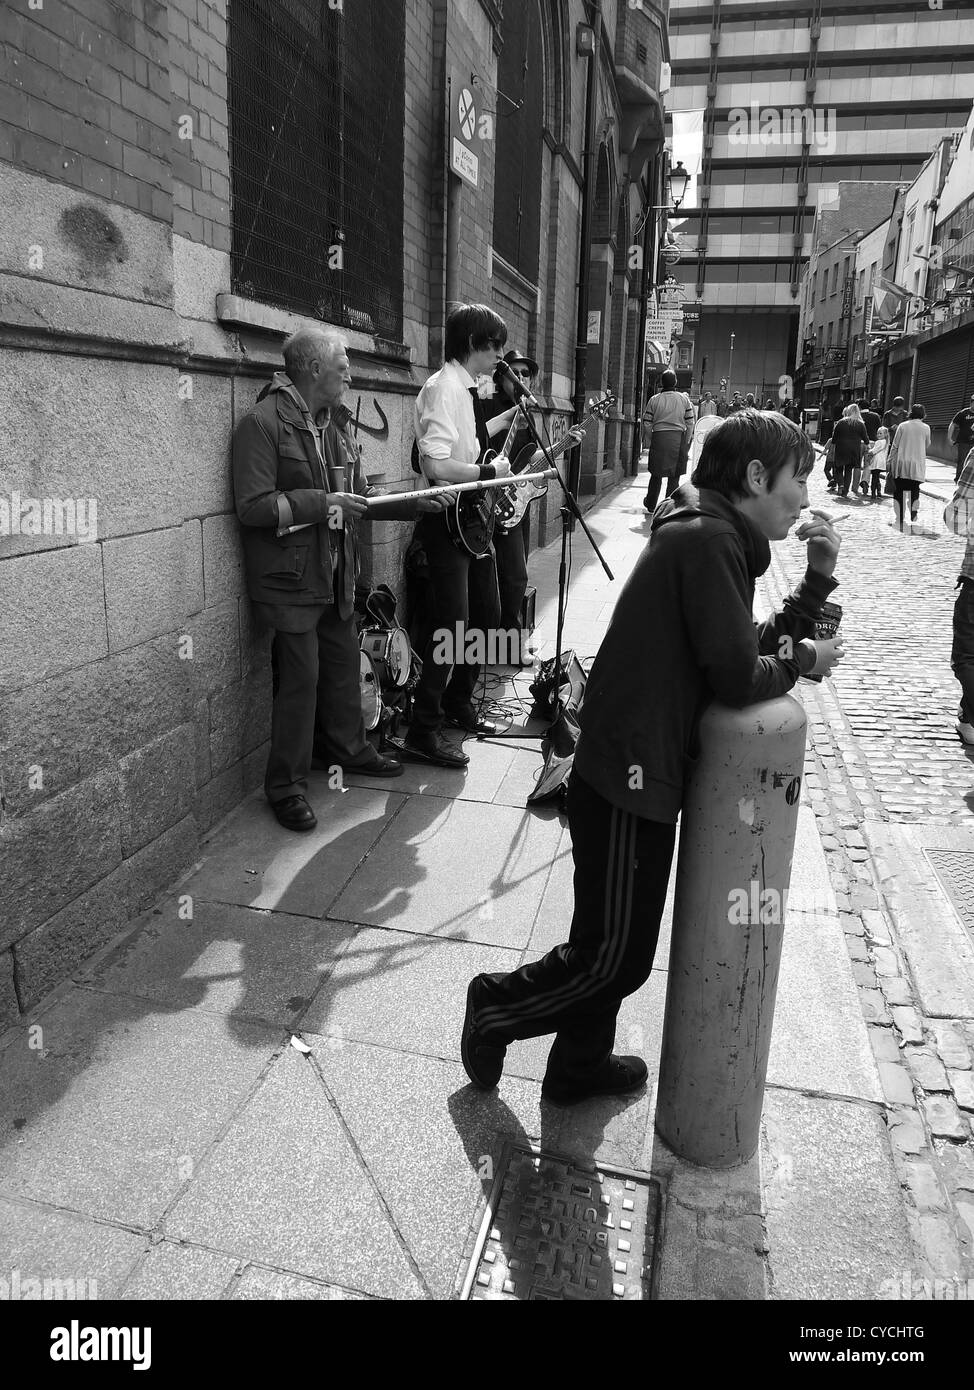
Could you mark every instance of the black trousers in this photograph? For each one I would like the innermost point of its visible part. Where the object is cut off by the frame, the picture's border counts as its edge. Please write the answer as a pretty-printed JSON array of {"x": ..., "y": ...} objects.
[
  {"x": 511, "y": 552},
  {"x": 905, "y": 488},
  {"x": 654, "y": 483},
  {"x": 622, "y": 866},
  {"x": 317, "y": 700},
  {"x": 464, "y": 592}
]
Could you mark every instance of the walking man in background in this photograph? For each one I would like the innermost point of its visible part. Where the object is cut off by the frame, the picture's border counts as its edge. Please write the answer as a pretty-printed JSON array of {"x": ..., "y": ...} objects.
[
  {"x": 961, "y": 434},
  {"x": 668, "y": 422}
]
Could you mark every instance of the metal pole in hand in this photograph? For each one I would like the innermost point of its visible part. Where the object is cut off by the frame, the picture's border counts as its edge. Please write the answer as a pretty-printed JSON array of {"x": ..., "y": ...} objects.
[{"x": 737, "y": 836}]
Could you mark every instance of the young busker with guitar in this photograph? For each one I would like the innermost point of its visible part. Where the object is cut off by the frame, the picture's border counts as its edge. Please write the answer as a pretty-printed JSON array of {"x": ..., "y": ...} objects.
[
  {"x": 452, "y": 434},
  {"x": 682, "y": 635},
  {"x": 511, "y": 545}
]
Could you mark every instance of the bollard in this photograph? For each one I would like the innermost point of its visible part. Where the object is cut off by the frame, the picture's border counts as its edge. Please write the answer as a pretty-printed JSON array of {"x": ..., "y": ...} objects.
[{"x": 737, "y": 835}]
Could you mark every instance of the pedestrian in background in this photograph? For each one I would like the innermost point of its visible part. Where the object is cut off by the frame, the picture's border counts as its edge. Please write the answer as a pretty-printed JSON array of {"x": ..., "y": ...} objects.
[
  {"x": 959, "y": 516},
  {"x": 908, "y": 462},
  {"x": 895, "y": 416},
  {"x": 961, "y": 434},
  {"x": 850, "y": 442},
  {"x": 878, "y": 455},
  {"x": 667, "y": 430}
]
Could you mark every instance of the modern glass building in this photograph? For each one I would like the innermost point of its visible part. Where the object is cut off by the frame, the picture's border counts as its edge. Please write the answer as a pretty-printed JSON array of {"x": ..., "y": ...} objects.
[{"x": 795, "y": 97}]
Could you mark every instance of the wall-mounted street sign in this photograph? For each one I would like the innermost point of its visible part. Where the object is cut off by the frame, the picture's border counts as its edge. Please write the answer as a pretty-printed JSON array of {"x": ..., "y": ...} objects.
[
  {"x": 669, "y": 255},
  {"x": 465, "y": 142},
  {"x": 594, "y": 334}
]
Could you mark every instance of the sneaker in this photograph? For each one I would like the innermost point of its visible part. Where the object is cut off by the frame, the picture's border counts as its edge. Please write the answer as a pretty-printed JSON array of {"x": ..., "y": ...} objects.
[
  {"x": 615, "y": 1078},
  {"x": 482, "y": 1061}
]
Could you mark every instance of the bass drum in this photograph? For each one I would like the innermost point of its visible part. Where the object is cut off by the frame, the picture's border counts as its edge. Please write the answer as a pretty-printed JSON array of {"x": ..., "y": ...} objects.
[
  {"x": 390, "y": 653},
  {"x": 371, "y": 696}
]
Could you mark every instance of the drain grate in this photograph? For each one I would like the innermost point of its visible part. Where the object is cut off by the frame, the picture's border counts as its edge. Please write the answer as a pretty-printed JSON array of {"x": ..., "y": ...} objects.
[
  {"x": 955, "y": 870},
  {"x": 554, "y": 1230}
]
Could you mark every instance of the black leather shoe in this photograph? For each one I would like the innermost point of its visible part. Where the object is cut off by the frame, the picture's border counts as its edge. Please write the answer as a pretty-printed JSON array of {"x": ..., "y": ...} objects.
[
  {"x": 377, "y": 766},
  {"x": 294, "y": 813},
  {"x": 468, "y": 719},
  {"x": 615, "y": 1078},
  {"x": 482, "y": 1061},
  {"x": 434, "y": 747}
]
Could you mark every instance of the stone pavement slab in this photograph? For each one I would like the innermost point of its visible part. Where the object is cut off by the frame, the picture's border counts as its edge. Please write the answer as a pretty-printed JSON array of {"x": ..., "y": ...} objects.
[
  {"x": 120, "y": 1103},
  {"x": 402, "y": 991},
  {"x": 286, "y": 1187},
  {"x": 257, "y": 1282},
  {"x": 233, "y": 960},
  {"x": 253, "y": 861},
  {"x": 168, "y": 1271},
  {"x": 713, "y": 1245},
  {"x": 37, "y": 1242},
  {"x": 939, "y": 950},
  {"x": 819, "y": 1041},
  {"x": 834, "y": 1209},
  {"x": 455, "y": 868},
  {"x": 431, "y": 1141}
]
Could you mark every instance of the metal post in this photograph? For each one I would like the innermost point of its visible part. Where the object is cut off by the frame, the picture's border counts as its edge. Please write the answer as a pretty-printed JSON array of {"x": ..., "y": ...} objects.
[{"x": 737, "y": 835}]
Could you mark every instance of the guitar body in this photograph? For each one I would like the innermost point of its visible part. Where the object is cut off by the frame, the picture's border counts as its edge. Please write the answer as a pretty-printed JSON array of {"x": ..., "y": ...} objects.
[
  {"x": 513, "y": 502},
  {"x": 470, "y": 521}
]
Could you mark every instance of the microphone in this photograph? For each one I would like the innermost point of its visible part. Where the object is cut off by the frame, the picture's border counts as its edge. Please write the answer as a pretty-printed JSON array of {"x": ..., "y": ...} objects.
[{"x": 522, "y": 391}]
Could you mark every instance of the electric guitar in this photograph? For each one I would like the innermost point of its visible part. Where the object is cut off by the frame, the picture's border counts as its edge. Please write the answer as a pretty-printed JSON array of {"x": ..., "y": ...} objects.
[
  {"x": 513, "y": 502},
  {"x": 470, "y": 521}
]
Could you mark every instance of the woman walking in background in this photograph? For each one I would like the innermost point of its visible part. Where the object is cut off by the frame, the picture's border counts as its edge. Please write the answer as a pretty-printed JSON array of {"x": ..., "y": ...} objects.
[
  {"x": 850, "y": 442},
  {"x": 908, "y": 462}
]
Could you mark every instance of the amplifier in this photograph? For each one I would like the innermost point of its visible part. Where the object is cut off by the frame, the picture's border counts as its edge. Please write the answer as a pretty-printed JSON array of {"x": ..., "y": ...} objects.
[{"x": 527, "y": 609}]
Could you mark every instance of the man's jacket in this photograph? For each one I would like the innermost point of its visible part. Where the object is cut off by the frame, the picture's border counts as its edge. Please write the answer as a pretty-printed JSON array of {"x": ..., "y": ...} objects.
[
  {"x": 278, "y": 480},
  {"x": 682, "y": 635}
]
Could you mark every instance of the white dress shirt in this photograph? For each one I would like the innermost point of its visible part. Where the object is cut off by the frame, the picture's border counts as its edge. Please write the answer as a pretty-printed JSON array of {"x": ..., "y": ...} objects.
[{"x": 445, "y": 423}]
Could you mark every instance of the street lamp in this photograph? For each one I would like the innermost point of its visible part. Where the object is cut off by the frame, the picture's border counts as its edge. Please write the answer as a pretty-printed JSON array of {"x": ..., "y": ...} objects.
[{"x": 678, "y": 180}]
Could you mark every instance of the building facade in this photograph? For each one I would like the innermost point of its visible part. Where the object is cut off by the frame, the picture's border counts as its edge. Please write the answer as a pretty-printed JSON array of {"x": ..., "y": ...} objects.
[
  {"x": 794, "y": 98},
  {"x": 184, "y": 183}
]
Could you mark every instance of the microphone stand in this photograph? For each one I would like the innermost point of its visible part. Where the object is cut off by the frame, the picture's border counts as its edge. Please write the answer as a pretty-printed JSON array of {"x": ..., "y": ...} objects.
[{"x": 569, "y": 513}]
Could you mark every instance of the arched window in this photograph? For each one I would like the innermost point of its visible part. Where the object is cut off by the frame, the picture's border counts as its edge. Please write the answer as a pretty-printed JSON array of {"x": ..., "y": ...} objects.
[{"x": 517, "y": 170}]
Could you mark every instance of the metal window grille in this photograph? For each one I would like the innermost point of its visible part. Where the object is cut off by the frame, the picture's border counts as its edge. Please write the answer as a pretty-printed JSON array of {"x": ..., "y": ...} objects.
[
  {"x": 520, "y": 120},
  {"x": 316, "y": 155}
]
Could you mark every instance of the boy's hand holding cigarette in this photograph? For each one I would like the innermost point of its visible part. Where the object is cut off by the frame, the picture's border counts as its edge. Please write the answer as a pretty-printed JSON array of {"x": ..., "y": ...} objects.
[{"x": 823, "y": 542}]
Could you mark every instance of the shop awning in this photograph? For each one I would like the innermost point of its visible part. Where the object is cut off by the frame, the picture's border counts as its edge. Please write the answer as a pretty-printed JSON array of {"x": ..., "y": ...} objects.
[{"x": 656, "y": 353}]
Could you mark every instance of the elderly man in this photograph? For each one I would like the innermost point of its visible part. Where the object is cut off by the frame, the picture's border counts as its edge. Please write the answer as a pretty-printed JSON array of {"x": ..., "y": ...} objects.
[{"x": 299, "y": 488}]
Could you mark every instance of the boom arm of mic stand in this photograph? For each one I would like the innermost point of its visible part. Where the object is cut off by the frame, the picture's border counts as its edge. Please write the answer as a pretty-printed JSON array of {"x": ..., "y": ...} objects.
[{"x": 569, "y": 499}]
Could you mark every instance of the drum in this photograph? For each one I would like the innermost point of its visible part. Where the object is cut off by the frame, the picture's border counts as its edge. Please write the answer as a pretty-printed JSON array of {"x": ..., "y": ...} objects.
[
  {"x": 369, "y": 690},
  {"x": 390, "y": 653}
]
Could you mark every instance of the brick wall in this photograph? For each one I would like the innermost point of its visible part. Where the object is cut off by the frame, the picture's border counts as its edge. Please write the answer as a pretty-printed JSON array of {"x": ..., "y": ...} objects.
[
  {"x": 85, "y": 98},
  {"x": 200, "y": 149}
]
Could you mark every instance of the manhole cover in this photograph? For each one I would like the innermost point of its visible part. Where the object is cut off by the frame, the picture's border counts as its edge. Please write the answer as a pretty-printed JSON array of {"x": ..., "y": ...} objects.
[
  {"x": 553, "y": 1230},
  {"x": 955, "y": 870}
]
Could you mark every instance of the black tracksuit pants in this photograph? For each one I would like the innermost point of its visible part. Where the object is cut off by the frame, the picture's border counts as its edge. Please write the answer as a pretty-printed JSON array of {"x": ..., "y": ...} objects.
[{"x": 622, "y": 867}]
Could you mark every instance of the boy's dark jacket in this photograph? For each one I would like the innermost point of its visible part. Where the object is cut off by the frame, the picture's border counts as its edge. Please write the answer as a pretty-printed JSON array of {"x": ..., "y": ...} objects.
[{"x": 683, "y": 635}]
